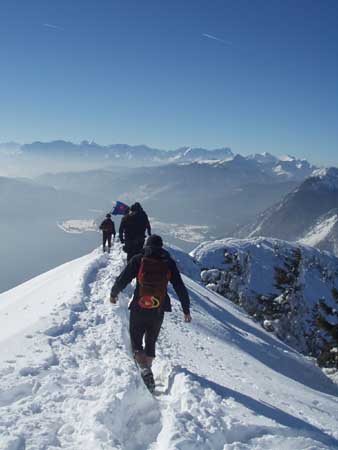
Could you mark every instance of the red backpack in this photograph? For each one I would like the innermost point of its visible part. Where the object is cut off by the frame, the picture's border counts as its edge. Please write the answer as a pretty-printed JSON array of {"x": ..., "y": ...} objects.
[{"x": 153, "y": 278}]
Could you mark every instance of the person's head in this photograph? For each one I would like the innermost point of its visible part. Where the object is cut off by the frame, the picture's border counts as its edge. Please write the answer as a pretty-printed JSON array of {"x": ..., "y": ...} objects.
[
  {"x": 136, "y": 207},
  {"x": 108, "y": 216},
  {"x": 154, "y": 241}
]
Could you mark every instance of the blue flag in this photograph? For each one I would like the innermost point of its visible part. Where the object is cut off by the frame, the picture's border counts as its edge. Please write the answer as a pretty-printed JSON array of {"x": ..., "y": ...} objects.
[{"x": 119, "y": 209}]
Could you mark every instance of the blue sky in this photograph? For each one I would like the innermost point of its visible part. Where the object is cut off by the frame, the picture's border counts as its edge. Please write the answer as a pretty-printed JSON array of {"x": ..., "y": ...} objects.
[{"x": 250, "y": 74}]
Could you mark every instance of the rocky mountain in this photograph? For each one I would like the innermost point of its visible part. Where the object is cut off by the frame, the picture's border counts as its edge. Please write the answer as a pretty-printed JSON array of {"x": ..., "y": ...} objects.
[
  {"x": 306, "y": 214},
  {"x": 292, "y": 290}
]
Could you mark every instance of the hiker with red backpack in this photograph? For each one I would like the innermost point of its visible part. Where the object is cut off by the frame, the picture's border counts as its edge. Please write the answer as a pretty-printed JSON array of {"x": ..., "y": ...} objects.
[
  {"x": 108, "y": 230},
  {"x": 154, "y": 268}
]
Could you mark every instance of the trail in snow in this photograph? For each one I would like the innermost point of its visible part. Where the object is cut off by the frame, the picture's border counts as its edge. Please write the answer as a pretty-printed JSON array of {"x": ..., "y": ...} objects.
[{"x": 225, "y": 383}]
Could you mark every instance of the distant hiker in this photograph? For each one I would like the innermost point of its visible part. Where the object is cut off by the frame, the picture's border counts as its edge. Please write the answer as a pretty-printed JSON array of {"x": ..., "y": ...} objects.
[
  {"x": 132, "y": 230},
  {"x": 108, "y": 229},
  {"x": 153, "y": 268}
]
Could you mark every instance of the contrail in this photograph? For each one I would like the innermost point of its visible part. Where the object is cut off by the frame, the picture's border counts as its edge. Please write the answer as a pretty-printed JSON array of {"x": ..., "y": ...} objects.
[
  {"x": 54, "y": 27},
  {"x": 210, "y": 36}
]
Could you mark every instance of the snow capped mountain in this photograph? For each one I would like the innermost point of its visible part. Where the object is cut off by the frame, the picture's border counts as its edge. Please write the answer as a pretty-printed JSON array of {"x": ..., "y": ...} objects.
[
  {"x": 289, "y": 288},
  {"x": 306, "y": 214},
  {"x": 68, "y": 380},
  {"x": 200, "y": 154},
  {"x": 268, "y": 167},
  {"x": 287, "y": 168}
]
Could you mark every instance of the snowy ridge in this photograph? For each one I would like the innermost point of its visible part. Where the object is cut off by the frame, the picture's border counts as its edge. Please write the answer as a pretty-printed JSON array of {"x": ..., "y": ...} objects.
[{"x": 225, "y": 383}]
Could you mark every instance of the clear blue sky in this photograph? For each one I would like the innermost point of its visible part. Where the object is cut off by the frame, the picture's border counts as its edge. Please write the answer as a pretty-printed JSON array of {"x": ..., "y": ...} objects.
[{"x": 150, "y": 72}]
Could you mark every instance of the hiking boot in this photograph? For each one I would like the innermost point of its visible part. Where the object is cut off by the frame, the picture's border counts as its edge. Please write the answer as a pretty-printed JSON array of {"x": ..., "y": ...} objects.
[{"x": 148, "y": 378}]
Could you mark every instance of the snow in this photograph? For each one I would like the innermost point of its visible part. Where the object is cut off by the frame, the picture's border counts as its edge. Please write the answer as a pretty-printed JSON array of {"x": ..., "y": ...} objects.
[
  {"x": 225, "y": 383},
  {"x": 325, "y": 178},
  {"x": 183, "y": 232},
  {"x": 320, "y": 232},
  {"x": 280, "y": 171},
  {"x": 78, "y": 226},
  {"x": 287, "y": 158}
]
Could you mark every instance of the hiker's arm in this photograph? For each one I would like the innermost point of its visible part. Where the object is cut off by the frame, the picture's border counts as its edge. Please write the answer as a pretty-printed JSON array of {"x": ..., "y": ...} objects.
[
  {"x": 121, "y": 230},
  {"x": 181, "y": 290},
  {"x": 114, "y": 231},
  {"x": 126, "y": 276},
  {"x": 148, "y": 227}
]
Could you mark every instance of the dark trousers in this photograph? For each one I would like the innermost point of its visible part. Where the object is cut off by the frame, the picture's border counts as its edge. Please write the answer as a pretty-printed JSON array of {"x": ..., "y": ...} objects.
[
  {"x": 145, "y": 324},
  {"x": 106, "y": 237}
]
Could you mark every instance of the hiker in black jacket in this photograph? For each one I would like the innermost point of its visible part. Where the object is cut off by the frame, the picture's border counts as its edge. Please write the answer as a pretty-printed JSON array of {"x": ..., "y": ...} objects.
[
  {"x": 132, "y": 230},
  {"x": 108, "y": 230},
  {"x": 153, "y": 268}
]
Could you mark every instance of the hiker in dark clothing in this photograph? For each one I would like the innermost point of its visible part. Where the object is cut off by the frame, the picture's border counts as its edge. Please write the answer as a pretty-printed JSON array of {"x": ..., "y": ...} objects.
[
  {"x": 153, "y": 268},
  {"x": 132, "y": 230},
  {"x": 108, "y": 230}
]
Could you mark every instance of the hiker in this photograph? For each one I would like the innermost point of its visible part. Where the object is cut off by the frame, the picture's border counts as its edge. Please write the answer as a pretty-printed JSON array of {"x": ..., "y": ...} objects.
[
  {"x": 132, "y": 230},
  {"x": 108, "y": 229},
  {"x": 153, "y": 268}
]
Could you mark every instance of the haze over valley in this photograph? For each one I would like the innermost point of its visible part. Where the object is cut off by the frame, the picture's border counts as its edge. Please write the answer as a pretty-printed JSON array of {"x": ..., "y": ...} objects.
[{"x": 192, "y": 194}]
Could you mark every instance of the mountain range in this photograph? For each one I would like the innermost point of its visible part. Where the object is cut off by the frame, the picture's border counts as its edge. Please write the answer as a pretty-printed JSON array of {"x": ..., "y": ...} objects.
[{"x": 285, "y": 166}]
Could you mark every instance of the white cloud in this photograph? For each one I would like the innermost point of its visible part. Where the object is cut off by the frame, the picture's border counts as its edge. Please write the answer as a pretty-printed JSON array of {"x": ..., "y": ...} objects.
[
  {"x": 53, "y": 27},
  {"x": 210, "y": 36}
]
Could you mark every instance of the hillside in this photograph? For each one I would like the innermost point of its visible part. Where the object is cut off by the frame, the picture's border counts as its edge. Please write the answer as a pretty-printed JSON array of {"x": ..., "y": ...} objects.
[
  {"x": 307, "y": 214},
  {"x": 290, "y": 289},
  {"x": 68, "y": 380}
]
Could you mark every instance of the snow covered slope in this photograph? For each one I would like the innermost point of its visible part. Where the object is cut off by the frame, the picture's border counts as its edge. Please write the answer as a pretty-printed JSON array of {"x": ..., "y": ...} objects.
[
  {"x": 290, "y": 289},
  {"x": 324, "y": 234},
  {"x": 308, "y": 214},
  {"x": 68, "y": 380}
]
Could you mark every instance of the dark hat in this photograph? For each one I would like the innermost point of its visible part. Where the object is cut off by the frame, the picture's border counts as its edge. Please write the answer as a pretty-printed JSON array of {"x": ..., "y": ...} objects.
[
  {"x": 154, "y": 241},
  {"x": 108, "y": 215},
  {"x": 136, "y": 207}
]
